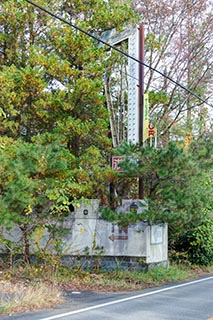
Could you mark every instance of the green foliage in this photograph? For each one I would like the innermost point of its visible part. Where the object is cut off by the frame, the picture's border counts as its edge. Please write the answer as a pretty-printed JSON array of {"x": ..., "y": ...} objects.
[
  {"x": 155, "y": 42},
  {"x": 31, "y": 173},
  {"x": 123, "y": 218},
  {"x": 197, "y": 243},
  {"x": 177, "y": 185},
  {"x": 54, "y": 125},
  {"x": 160, "y": 97}
]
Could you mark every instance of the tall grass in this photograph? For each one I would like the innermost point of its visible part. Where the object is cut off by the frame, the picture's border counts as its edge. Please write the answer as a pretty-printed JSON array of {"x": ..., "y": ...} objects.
[
  {"x": 32, "y": 288},
  {"x": 27, "y": 297}
]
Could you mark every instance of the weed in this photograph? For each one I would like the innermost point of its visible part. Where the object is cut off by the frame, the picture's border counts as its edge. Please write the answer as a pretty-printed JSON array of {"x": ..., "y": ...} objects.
[
  {"x": 27, "y": 297},
  {"x": 40, "y": 290}
]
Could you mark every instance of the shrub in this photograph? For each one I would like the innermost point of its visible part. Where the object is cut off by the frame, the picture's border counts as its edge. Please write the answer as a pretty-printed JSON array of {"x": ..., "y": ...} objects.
[{"x": 198, "y": 243}]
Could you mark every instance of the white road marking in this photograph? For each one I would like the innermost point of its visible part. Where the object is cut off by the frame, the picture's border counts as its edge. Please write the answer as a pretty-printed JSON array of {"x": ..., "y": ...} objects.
[{"x": 59, "y": 316}]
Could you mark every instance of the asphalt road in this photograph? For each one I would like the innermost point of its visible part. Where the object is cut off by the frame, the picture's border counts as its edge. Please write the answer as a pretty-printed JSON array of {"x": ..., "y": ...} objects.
[{"x": 185, "y": 301}]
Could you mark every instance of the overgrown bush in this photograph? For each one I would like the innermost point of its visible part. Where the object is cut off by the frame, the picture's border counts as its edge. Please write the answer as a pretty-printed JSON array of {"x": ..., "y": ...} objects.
[{"x": 197, "y": 244}]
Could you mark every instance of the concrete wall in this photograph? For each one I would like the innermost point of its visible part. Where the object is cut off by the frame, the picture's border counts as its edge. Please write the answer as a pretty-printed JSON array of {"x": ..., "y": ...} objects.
[
  {"x": 88, "y": 235},
  {"x": 137, "y": 240}
]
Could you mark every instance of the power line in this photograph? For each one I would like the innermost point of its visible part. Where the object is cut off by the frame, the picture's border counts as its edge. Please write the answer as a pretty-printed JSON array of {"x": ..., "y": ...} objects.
[{"x": 118, "y": 50}]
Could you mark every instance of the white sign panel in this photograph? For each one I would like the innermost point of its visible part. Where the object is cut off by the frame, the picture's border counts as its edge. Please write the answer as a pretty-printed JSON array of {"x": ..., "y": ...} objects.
[
  {"x": 132, "y": 36},
  {"x": 156, "y": 234}
]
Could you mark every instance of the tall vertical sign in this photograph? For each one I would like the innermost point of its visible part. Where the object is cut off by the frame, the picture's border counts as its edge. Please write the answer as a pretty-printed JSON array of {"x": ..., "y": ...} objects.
[
  {"x": 137, "y": 114},
  {"x": 132, "y": 36},
  {"x": 133, "y": 88},
  {"x": 141, "y": 103},
  {"x": 141, "y": 84}
]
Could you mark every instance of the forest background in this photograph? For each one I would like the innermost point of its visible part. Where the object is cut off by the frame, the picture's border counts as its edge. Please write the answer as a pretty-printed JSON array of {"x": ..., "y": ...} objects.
[{"x": 63, "y": 113}]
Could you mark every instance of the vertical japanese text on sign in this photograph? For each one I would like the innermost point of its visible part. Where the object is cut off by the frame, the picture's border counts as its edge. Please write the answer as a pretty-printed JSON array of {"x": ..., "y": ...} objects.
[{"x": 146, "y": 117}]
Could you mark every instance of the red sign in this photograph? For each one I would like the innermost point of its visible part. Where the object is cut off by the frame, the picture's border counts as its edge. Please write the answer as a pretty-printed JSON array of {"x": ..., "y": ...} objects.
[
  {"x": 151, "y": 131},
  {"x": 115, "y": 162}
]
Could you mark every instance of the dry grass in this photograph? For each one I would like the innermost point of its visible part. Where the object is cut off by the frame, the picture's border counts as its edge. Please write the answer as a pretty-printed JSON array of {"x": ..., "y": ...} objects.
[
  {"x": 27, "y": 297},
  {"x": 19, "y": 294}
]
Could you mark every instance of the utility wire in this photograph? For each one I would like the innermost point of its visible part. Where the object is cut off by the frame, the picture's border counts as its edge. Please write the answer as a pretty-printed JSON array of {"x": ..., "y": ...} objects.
[
  {"x": 118, "y": 50},
  {"x": 154, "y": 87}
]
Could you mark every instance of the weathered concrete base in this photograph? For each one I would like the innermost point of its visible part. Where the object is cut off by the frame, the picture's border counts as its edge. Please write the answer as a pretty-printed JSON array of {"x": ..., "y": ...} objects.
[
  {"x": 105, "y": 263},
  {"x": 109, "y": 263},
  {"x": 90, "y": 242},
  {"x": 92, "y": 263}
]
